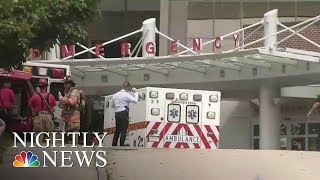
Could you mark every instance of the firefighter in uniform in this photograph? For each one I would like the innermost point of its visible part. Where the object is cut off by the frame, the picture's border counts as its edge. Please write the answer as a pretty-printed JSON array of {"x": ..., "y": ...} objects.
[
  {"x": 42, "y": 105},
  {"x": 70, "y": 104},
  {"x": 7, "y": 100}
]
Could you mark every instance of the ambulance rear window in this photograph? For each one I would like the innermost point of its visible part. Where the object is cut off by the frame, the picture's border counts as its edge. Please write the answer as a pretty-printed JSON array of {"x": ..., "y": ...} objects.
[
  {"x": 174, "y": 113},
  {"x": 197, "y": 97},
  {"x": 169, "y": 95},
  {"x": 192, "y": 114}
]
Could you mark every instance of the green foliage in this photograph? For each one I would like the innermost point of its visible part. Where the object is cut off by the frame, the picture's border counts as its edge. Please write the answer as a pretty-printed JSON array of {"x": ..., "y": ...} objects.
[{"x": 39, "y": 24}]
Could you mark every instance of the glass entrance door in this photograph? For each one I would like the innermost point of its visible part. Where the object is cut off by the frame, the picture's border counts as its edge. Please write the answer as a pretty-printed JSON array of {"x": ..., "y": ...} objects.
[{"x": 295, "y": 135}]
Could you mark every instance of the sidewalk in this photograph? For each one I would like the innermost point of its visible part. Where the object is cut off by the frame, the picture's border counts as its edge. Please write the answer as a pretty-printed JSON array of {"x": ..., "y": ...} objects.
[{"x": 8, "y": 172}]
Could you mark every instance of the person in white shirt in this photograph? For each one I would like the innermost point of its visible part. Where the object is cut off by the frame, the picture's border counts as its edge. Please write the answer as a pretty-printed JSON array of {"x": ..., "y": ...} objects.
[{"x": 120, "y": 102}]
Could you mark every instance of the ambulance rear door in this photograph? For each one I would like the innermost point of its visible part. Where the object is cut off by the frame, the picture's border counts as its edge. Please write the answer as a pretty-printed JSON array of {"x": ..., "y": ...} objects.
[
  {"x": 173, "y": 121},
  {"x": 182, "y": 115},
  {"x": 193, "y": 121}
]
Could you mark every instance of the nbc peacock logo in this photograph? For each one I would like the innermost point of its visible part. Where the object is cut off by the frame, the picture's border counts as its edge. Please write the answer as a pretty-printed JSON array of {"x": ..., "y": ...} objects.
[{"x": 26, "y": 160}]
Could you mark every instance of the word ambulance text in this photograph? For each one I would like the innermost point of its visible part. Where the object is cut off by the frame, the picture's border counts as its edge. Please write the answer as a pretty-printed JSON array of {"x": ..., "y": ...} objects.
[{"x": 182, "y": 139}]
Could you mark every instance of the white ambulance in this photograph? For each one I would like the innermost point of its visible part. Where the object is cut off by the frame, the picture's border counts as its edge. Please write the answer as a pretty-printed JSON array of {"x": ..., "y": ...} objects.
[{"x": 169, "y": 118}]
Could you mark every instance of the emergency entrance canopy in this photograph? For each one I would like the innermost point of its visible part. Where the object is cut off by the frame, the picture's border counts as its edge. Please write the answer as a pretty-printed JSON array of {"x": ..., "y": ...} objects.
[{"x": 244, "y": 60}]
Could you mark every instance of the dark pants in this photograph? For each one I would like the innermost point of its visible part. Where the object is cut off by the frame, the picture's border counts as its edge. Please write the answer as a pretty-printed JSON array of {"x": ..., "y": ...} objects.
[
  {"x": 3, "y": 115},
  {"x": 122, "y": 122}
]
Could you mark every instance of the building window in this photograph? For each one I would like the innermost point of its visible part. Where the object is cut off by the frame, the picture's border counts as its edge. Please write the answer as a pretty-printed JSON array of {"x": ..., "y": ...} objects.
[
  {"x": 298, "y": 129},
  {"x": 256, "y": 130}
]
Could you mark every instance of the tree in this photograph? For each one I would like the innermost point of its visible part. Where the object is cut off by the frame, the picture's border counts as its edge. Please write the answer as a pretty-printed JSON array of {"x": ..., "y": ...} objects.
[{"x": 40, "y": 24}]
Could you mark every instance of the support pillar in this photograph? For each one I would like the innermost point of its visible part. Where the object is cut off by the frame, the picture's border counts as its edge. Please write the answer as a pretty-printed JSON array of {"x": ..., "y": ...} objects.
[
  {"x": 51, "y": 54},
  {"x": 149, "y": 34},
  {"x": 270, "y": 22},
  {"x": 164, "y": 27},
  {"x": 270, "y": 117},
  {"x": 173, "y": 22}
]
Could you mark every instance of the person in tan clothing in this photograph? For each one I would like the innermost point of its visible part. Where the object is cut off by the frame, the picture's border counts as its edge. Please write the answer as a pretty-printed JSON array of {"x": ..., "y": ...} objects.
[{"x": 70, "y": 104}]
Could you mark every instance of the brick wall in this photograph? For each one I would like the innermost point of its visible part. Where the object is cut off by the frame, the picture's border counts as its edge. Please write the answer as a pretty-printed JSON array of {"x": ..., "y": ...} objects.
[{"x": 312, "y": 32}]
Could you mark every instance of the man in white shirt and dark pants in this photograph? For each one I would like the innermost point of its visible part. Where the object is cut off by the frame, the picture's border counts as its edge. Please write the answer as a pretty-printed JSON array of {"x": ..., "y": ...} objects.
[{"x": 120, "y": 102}]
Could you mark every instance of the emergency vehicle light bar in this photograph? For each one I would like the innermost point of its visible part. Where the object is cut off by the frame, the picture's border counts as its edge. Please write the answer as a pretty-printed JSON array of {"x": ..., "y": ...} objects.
[
  {"x": 42, "y": 71},
  {"x": 27, "y": 69},
  {"x": 52, "y": 72}
]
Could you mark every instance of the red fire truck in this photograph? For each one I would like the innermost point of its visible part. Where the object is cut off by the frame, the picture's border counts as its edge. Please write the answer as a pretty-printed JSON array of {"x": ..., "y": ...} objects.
[{"x": 24, "y": 85}]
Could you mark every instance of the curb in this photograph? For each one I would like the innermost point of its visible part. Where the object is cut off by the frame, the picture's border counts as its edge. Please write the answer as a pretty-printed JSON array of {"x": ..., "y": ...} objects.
[{"x": 101, "y": 171}]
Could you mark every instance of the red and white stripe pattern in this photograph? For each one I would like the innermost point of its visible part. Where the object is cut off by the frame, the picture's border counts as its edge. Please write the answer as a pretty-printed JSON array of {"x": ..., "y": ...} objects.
[{"x": 208, "y": 134}]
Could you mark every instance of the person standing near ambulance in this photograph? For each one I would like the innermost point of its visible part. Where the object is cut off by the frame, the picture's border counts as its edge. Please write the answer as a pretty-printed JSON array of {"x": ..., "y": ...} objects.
[
  {"x": 7, "y": 100},
  {"x": 71, "y": 105},
  {"x": 42, "y": 105},
  {"x": 120, "y": 102}
]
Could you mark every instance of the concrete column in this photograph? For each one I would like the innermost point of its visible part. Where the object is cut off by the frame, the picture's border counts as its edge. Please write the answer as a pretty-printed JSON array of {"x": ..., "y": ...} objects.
[
  {"x": 149, "y": 34},
  {"x": 173, "y": 22},
  {"x": 51, "y": 54},
  {"x": 269, "y": 117},
  {"x": 270, "y": 27},
  {"x": 164, "y": 27}
]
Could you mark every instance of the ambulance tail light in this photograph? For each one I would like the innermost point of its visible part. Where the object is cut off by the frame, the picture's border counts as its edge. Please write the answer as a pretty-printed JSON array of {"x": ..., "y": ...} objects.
[
  {"x": 153, "y": 94},
  {"x": 58, "y": 73},
  {"x": 213, "y": 98},
  {"x": 211, "y": 115},
  {"x": 27, "y": 69},
  {"x": 155, "y": 111},
  {"x": 42, "y": 71},
  {"x": 154, "y": 138}
]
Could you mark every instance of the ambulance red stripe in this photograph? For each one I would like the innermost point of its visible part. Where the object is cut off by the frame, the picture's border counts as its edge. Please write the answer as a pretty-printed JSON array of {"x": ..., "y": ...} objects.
[
  {"x": 202, "y": 136},
  {"x": 187, "y": 128},
  {"x": 178, "y": 128},
  {"x": 163, "y": 131},
  {"x": 218, "y": 128},
  {"x": 214, "y": 138},
  {"x": 155, "y": 126}
]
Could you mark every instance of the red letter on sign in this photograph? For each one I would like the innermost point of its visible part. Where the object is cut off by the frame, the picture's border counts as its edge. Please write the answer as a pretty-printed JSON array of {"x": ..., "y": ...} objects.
[
  {"x": 99, "y": 50},
  {"x": 217, "y": 42},
  {"x": 236, "y": 38},
  {"x": 125, "y": 49},
  {"x": 150, "y": 48},
  {"x": 197, "y": 45},
  {"x": 174, "y": 47},
  {"x": 35, "y": 54},
  {"x": 67, "y": 51}
]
